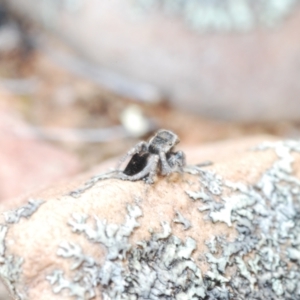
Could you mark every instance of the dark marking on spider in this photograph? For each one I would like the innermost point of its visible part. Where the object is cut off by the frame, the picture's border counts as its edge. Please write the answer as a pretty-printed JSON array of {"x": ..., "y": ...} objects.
[{"x": 152, "y": 158}]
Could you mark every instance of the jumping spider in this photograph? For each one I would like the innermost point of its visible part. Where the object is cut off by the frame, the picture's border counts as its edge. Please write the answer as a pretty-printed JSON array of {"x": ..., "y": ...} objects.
[{"x": 152, "y": 158}]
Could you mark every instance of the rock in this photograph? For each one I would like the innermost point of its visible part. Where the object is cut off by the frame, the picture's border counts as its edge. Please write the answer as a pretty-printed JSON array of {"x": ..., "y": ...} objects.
[{"x": 116, "y": 237}]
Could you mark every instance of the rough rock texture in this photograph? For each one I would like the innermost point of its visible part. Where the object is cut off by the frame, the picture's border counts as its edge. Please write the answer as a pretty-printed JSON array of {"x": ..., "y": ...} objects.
[{"x": 228, "y": 231}]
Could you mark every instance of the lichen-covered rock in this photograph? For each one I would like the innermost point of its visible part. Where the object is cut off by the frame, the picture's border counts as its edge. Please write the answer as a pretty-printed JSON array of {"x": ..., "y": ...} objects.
[{"x": 209, "y": 234}]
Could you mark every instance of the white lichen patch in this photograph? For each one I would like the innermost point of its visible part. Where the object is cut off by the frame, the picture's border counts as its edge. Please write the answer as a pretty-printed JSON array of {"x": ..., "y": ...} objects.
[
  {"x": 199, "y": 195},
  {"x": 112, "y": 236},
  {"x": 182, "y": 220},
  {"x": 245, "y": 272},
  {"x": 71, "y": 250},
  {"x": 212, "y": 245},
  {"x": 88, "y": 274},
  {"x": 91, "y": 182},
  {"x": 10, "y": 270},
  {"x": 263, "y": 259},
  {"x": 159, "y": 268},
  {"x": 76, "y": 290},
  {"x": 266, "y": 251},
  {"x": 168, "y": 262},
  {"x": 235, "y": 203},
  {"x": 25, "y": 211},
  {"x": 3, "y": 231},
  {"x": 10, "y": 265}
]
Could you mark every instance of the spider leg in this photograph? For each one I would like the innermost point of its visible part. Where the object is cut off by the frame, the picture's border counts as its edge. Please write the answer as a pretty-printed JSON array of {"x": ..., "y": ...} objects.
[
  {"x": 177, "y": 161},
  {"x": 153, "y": 169},
  {"x": 150, "y": 170},
  {"x": 165, "y": 167},
  {"x": 139, "y": 147}
]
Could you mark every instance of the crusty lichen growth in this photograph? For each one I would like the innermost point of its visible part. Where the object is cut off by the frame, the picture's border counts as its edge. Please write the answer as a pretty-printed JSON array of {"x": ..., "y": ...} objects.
[
  {"x": 158, "y": 268},
  {"x": 112, "y": 236},
  {"x": 10, "y": 265},
  {"x": 262, "y": 262},
  {"x": 182, "y": 220},
  {"x": 24, "y": 211},
  {"x": 265, "y": 253}
]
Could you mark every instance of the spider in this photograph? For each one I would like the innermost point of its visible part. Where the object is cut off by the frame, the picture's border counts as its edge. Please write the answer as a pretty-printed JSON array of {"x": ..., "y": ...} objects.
[{"x": 152, "y": 158}]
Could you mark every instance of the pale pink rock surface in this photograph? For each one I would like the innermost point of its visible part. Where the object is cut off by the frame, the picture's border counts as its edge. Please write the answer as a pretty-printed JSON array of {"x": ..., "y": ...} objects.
[{"x": 37, "y": 238}]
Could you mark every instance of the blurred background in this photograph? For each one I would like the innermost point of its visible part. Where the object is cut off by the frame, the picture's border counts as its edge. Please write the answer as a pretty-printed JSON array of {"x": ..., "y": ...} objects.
[{"x": 83, "y": 81}]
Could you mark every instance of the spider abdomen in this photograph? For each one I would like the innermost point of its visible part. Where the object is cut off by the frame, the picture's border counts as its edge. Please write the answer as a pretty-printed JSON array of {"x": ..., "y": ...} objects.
[{"x": 137, "y": 163}]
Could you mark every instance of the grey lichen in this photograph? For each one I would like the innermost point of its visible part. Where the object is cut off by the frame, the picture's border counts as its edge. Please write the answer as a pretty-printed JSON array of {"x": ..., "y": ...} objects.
[
  {"x": 235, "y": 203},
  {"x": 211, "y": 183},
  {"x": 168, "y": 262},
  {"x": 77, "y": 290},
  {"x": 3, "y": 231},
  {"x": 245, "y": 272},
  {"x": 71, "y": 250},
  {"x": 182, "y": 220},
  {"x": 158, "y": 268},
  {"x": 112, "y": 236},
  {"x": 223, "y": 16},
  {"x": 91, "y": 182},
  {"x": 89, "y": 273},
  {"x": 198, "y": 195},
  {"x": 10, "y": 270},
  {"x": 263, "y": 259},
  {"x": 10, "y": 265},
  {"x": 266, "y": 252},
  {"x": 164, "y": 233},
  {"x": 212, "y": 245},
  {"x": 22, "y": 212}
]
